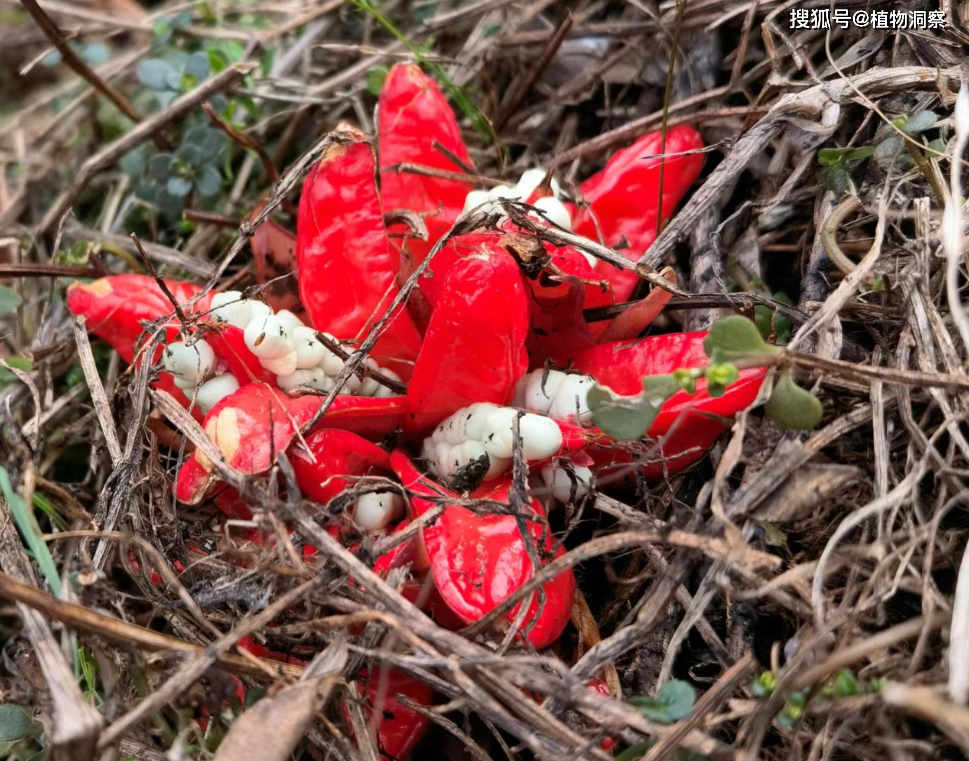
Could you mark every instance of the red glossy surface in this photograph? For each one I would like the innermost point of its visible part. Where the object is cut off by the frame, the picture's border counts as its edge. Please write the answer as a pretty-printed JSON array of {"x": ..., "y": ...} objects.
[
  {"x": 478, "y": 560},
  {"x": 686, "y": 421},
  {"x": 333, "y": 461},
  {"x": 396, "y": 728},
  {"x": 115, "y": 306},
  {"x": 474, "y": 350},
  {"x": 251, "y": 425},
  {"x": 347, "y": 272},
  {"x": 624, "y": 197},
  {"x": 411, "y": 115}
]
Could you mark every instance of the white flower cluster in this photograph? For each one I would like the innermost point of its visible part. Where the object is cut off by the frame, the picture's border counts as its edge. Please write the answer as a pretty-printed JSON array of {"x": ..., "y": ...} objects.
[
  {"x": 562, "y": 396},
  {"x": 290, "y": 349},
  {"x": 484, "y": 430},
  {"x": 279, "y": 340},
  {"x": 482, "y": 433},
  {"x": 195, "y": 370},
  {"x": 551, "y": 206}
]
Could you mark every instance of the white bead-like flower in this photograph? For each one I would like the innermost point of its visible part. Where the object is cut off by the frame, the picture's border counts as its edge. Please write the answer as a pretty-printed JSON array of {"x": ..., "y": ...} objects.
[
  {"x": 374, "y": 512},
  {"x": 213, "y": 391},
  {"x": 231, "y": 308},
  {"x": 190, "y": 363}
]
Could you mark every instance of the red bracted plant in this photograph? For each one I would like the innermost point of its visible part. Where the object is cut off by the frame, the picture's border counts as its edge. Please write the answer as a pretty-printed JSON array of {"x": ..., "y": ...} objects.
[{"x": 498, "y": 304}]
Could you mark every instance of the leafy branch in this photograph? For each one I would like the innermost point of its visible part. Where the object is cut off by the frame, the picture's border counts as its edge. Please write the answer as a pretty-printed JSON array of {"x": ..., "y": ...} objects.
[{"x": 733, "y": 344}]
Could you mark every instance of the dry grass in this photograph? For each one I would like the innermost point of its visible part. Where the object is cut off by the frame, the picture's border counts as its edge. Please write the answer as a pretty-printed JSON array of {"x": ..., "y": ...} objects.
[{"x": 839, "y": 549}]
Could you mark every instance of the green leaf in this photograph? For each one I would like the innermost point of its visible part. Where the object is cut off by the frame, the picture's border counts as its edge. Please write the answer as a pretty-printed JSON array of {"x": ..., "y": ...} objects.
[
  {"x": 791, "y": 407},
  {"x": 888, "y": 147},
  {"x": 179, "y": 186},
  {"x": 835, "y": 179},
  {"x": 673, "y": 702},
  {"x": 937, "y": 145},
  {"x": 198, "y": 66},
  {"x": 628, "y": 418},
  {"x": 95, "y": 54},
  {"x": 846, "y": 685},
  {"x": 735, "y": 337},
  {"x": 155, "y": 74},
  {"x": 133, "y": 162},
  {"x": 16, "y": 723},
  {"x": 636, "y": 751},
  {"x": 375, "y": 79},
  {"x": 160, "y": 166},
  {"x": 208, "y": 182},
  {"x": 254, "y": 695},
  {"x": 10, "y": 300},
  {"x": 26, "y": 522},
  {"x": 920, "y": 122},
  {"x": 830, "y": 156}
]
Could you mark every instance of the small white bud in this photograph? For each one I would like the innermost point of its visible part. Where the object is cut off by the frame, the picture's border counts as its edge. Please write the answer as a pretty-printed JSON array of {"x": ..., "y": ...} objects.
[
  {"x": 572, "y": 397},
  {"x": 476, "y": 198},
  {"x": 289, "y": 320},
  {"x": 213, "y": 391},
  {"x": 309, "y": 351},
  {"x": 529, "y": 183},
  {"x": 192, "y": 363},
  {"x": 560, "y": 484},
  {"x": 541, "y": 437},
  {"x": 267, "y": 338},
  {"x": 284, "y": 365},
  {"x": 231, "y": 308},
  {"x": 311, "y": 377},
  {"x": 375, "y": 512},
  {"x": 498, "y": 432},
  {"x": 555, "y": 211}
]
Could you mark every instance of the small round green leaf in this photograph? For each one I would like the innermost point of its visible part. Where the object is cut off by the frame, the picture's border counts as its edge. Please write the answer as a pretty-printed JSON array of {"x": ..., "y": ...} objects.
[
  {"x": 198, "y": 66},
  {"x": 179, "y": 186},
  {"x": 734, "y": 337},
  {"x": 16, "y": 723},
  {"x": 791, "y": 407},
  {"x": 208, "y": 181},
  {"x": 155, "y": 74},
  {"x": 160, "y": 166},
  {"x": 673, "y": 702},
  {"x": 920, "y": 122},
  {"x": 628, "y": 418},
  {"x": 9, "y": 300}
]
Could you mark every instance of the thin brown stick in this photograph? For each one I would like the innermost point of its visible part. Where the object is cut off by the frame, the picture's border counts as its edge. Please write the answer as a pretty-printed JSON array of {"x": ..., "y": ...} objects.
[
  {"x": 54, "y": 34},
  {"x": 533, "y": 72}
]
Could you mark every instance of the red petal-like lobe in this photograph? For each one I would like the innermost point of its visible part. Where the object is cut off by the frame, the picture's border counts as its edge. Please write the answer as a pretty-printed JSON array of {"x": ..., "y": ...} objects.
[
  {"x": 274, "y": 252},
  {"x": 398, "y": 728},
  {"x": 564, "y": 289},
  {"x": 255, "y": 422},
  {"x": 114, "y": 307},
  {"x": 412, "y": 115},
  {"x": 474, "y": 350},
  {"x": 685, "y": 421},
  {"x": 624, "y": 197},
  {"x": 333, "y": 461},
  {"x": 347, "y": 272},
  {"x": 478, "y": 560}
]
